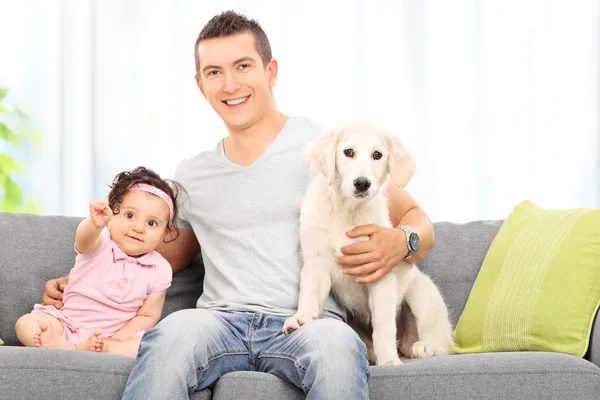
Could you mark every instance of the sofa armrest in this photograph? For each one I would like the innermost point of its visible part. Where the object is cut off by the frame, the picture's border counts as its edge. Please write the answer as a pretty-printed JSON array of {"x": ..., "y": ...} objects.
[{"x": 593, "y": 353}]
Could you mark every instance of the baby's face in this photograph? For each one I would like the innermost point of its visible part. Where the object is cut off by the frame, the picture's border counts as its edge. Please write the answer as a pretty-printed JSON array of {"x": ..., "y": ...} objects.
[{"x": 141, "y": 223}]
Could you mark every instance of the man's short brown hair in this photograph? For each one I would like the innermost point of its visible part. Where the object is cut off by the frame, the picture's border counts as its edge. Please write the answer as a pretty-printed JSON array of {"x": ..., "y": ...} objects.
[{"x": 230, "y": 23}]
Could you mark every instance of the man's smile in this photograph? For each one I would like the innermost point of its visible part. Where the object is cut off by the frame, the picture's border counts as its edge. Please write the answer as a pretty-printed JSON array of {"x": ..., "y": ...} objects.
[{"x": 234, "y": 103}]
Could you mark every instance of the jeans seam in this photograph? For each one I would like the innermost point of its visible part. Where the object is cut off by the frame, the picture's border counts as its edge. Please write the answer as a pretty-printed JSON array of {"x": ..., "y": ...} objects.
[
  {"x": 291, "y": 358},
  {"x": 285, "y": 356},
  {"x": 250, "y": 332},
  {"x": 219, "y": 355},
  {"x": 266, "y": 321}
]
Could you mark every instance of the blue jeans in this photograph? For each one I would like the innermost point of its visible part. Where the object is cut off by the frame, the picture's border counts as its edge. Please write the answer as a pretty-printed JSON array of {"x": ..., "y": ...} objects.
[{"x": 190, "y": 349}]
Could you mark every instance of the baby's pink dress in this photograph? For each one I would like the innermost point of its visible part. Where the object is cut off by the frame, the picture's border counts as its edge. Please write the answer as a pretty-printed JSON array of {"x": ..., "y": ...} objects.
[{"x": 106, "y": 289}]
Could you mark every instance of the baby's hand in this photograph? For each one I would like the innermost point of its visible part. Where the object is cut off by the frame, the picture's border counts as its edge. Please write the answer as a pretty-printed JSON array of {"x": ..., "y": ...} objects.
[{"x": 100, "y": 213}]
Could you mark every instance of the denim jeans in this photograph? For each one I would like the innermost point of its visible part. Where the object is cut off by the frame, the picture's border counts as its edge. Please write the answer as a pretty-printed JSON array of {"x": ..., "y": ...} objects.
[{"x": 190, "y": 349}]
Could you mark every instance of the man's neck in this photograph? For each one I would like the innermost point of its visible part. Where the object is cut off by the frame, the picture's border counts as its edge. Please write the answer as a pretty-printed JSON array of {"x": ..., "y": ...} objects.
[{"x": 246, "y": 145}]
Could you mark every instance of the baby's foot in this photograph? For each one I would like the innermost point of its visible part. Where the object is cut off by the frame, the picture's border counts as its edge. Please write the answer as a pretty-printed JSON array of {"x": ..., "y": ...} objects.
[
  {"x": 48, "y": 338},
  {"x": 95, "y": 342}
]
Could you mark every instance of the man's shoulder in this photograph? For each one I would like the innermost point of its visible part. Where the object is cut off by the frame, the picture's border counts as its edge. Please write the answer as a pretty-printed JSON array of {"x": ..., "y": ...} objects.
[
  {"x": 200, "y": 161},
  {"x": 305, "y": 129},
  {"x": 305, "y": 123}
]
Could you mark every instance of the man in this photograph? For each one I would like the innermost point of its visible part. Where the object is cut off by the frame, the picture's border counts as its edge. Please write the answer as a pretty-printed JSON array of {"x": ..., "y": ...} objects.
[{"x": 243, "y": 207}]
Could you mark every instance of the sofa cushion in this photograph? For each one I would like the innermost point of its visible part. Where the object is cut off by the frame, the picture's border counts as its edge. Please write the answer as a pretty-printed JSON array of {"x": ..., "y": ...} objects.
[
  {"x": 539, "y": 286},
  {"x": 255, "y": 385},
  {"x": 454, "y": 261},
  {"x": 36, "y": 248},
  {"x": 527, "y": 376},
  {"x": 29, "y": 373},
  {"x": 488, "y": 376}
]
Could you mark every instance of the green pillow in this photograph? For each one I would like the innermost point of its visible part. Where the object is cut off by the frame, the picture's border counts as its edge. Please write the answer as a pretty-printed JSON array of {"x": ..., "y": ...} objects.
[
  {"x": 1, "y": 342},
  {"x": 539, "y": 286}
]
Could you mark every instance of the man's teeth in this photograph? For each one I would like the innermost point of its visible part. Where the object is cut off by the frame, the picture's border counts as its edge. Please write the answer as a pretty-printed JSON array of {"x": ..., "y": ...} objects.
[{"x": 236, "y": 101}]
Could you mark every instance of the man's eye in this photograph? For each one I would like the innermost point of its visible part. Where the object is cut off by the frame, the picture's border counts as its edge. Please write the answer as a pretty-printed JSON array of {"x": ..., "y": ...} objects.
[
  {"x": 128, "y": 215},
  {"x": 214, "y": 72},
  {"x": 349, "y": 153},
  {"x": 152, "y": 223},
  {"x": 377, "y": 155},
  {"x": 244, "y": 66}
]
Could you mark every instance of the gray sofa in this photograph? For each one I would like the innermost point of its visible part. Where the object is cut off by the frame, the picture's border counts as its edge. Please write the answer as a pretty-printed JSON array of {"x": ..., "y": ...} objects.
[{"x": 34, "y": 249}]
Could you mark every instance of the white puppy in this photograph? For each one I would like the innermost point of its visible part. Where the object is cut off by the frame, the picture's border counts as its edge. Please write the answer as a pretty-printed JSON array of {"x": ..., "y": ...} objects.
[{"x": 354, "y": 160}]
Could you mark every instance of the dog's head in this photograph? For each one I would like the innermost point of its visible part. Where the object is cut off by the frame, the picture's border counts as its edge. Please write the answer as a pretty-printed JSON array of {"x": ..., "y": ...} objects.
[{"x": 358, "y": 157}]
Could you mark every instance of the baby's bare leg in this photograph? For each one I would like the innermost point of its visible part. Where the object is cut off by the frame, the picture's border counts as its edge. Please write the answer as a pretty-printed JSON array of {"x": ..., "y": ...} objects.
[
  {"x": 93, "y": 343},
  {"x": 126, "y": 348},
  {"x": 42, "y": 330}
]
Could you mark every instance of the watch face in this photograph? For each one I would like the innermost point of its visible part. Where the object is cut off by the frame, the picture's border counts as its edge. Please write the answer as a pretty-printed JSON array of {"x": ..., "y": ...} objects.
[{"x": 415, "y": 242}]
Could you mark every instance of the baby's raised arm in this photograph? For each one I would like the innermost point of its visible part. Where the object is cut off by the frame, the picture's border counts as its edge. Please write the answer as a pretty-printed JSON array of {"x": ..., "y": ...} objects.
[{"x": 87, "y": 237}]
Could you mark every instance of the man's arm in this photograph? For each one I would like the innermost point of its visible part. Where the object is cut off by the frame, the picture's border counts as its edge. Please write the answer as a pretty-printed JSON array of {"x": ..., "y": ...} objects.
[
  {"x": 404, "y": 210},
  {"x": 386, "y": 247},
  {"x": 181, "y": 251}
]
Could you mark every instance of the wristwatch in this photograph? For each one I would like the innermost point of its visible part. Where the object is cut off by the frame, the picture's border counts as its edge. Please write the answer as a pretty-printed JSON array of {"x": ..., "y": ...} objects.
[{"x": 412, "y": 240}]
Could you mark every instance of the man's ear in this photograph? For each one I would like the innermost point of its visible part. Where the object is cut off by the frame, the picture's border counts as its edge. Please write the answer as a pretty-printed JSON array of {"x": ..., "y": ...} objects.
[
  {"x": 322, "y": 153},
  {"x": 401, "y": 161},
  {"x": 200, "y": 85},
  {"x": 272, "y": 69}
]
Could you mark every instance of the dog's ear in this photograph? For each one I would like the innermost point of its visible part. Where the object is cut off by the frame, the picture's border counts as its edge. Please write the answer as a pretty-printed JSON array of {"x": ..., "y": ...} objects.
[
  {"x": 401, "y": 162},
  {"x": 322, "y": 153}
]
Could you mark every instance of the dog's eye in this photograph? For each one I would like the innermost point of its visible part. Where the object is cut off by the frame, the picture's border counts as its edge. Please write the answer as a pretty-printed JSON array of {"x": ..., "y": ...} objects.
[
  {"x": 349, "y": 153},
  {"x": 377, "y": 155}
]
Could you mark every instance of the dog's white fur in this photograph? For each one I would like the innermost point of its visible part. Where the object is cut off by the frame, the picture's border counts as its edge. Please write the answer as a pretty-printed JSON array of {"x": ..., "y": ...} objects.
[{"x": 330, "y": 208}]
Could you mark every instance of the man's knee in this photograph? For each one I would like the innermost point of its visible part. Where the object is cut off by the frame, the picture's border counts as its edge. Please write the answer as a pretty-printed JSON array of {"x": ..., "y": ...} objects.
[
  {"x": 335, "y": 363},
  {"x": 335, "y": 340}
]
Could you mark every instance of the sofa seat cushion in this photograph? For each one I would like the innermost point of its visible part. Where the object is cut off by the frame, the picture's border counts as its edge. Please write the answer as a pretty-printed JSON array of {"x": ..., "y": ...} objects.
[
  {"x": 522, "y": 375},
  {"x": 29, "y": 373},
  {"x": 518, "y": 375},
  {"x": 255, "y": 385}
]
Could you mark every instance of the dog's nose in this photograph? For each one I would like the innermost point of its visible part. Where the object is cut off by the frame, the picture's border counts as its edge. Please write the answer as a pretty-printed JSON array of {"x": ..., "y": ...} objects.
[{"x": 362, "y": 184}]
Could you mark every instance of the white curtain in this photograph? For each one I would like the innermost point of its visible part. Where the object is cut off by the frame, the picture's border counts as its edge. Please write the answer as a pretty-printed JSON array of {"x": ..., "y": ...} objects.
[{"x": 498, "y": 99}]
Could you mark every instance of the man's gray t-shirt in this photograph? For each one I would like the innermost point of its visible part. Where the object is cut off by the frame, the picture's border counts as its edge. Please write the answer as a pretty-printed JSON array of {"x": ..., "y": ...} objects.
[{"x": 246, "y": 219}]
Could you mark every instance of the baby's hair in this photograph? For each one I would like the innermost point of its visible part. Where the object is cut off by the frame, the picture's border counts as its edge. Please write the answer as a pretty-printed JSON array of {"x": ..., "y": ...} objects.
[{"x": 124, "y": 180}]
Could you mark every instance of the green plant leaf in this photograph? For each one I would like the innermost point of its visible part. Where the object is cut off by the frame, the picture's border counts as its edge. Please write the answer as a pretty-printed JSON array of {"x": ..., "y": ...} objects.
[
  {"x": 8, "y": 206},
  {"x": 30, "y": 134},
  {"x": 8, "y": 165},
  {"x": 20, "y": 112},
  {"x": 13, "y": 192},
  {"x": 3, "y": 109},
  {"x": 3, "y": 93},
  {"x": 8, "y": 135}
]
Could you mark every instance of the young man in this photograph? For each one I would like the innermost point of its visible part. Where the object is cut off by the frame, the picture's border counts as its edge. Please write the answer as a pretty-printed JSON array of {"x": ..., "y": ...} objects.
[{"x": 244, "y": 204}]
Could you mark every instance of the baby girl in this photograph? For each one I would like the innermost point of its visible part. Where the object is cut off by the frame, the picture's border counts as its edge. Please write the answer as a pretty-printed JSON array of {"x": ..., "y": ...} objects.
[{"x": 116, "y": 290}]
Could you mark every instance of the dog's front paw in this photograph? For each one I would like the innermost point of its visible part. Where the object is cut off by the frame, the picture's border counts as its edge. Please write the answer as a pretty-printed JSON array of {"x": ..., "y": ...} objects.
[
  {"x": 421, "y": 349},
  {"x": 390, "y": 361},
  {"x": 296, "y": 321}
]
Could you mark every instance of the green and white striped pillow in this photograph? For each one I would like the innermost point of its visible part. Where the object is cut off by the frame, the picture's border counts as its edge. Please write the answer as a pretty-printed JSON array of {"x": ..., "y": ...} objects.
[{"x": 539, "y": 286}]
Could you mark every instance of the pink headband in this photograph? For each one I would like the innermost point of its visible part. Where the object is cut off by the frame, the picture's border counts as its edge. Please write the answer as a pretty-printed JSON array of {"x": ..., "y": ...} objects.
[{"x": 157, "y": 192}]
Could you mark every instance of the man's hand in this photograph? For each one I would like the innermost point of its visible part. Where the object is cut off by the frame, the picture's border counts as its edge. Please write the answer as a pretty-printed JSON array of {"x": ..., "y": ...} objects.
[
  {"x": 53, "y": 292},
  {"x": 372, "y": 259},
  {"x": 100, "y": 213}
]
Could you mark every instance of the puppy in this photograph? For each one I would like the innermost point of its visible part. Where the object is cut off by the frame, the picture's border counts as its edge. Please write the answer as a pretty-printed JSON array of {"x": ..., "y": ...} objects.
[{"x": 354, "y": 161}]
